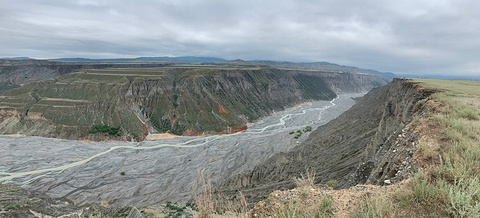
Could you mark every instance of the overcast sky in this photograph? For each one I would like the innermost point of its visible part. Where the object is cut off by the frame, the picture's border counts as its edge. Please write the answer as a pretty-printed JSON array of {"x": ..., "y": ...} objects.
[{"x": 400, "y": 36}]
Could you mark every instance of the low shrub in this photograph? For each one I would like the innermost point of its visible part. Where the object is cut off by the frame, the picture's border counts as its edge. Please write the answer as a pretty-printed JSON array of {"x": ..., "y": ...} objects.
[
  {"x": 332, "y": 183},
  {"x": 376, "y": 205},
  {"x": 113, "y": 131}
]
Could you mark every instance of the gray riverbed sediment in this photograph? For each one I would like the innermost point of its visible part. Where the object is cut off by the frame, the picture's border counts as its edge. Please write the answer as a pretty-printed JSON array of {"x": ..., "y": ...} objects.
[{"x": 155, "y": 171}]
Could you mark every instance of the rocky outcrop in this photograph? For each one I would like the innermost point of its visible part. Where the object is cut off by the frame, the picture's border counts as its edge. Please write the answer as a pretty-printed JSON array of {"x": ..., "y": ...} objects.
[
  {"x": 179, "y": 100},
  {"x": 366, "y": 144}
]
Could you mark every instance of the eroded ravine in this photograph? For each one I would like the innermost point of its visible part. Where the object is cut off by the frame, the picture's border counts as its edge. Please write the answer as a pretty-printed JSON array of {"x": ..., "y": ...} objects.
[{"x": 91, "y": 172}]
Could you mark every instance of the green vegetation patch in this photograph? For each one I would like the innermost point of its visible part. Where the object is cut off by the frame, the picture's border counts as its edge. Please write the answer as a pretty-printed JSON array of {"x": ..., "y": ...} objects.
[
  {"x": 452, "y": 86},
  {"x": 175, "y": 210},
  {"x": 332, "y": 183},
  {"x": 113, "y": 131},
  {"x": 299, "y": 132}
]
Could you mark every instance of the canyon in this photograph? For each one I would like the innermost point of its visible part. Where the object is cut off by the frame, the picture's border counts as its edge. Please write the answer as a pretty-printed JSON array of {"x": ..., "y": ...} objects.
[
  {"x": 181, "y": 99},
  {"x": 366, "y": 144},
  {"x": 259, "y": 107},
  {"x": 376, "y": 141}
]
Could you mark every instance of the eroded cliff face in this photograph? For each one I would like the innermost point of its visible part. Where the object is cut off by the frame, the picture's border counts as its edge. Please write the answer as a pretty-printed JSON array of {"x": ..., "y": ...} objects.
[
  {"x": 389, "y": 154},
  {"x": 370, "y": 143},
  {"x": 180, "y": 100}
]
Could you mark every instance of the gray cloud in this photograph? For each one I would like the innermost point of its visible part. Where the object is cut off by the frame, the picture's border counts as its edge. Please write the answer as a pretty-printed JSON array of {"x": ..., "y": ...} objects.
[{"x": 418, "y": 36}]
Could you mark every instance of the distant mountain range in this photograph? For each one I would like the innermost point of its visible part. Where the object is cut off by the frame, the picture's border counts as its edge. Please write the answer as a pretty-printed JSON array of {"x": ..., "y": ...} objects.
[
  {"x": 281, "y": 64},
  {"x": 182, "y": 59},
  {"x": 16, "y": 58},
  {"x": 214, "y": 60}
]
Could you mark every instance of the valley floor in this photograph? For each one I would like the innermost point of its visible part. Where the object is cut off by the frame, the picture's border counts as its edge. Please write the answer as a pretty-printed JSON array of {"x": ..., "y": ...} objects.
[{"x": 153, "y": 171}]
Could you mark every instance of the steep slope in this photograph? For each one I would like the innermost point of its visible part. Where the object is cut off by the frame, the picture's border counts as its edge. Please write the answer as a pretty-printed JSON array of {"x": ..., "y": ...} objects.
[
  {"x": 346, "y": 149},
  {"x": 188, "y": 100}
]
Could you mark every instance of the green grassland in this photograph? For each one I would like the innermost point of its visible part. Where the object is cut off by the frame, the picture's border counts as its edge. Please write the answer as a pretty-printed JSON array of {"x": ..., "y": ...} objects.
[
  {"x": 453, "y": 86},
  {"x": 454, "y": 182}
]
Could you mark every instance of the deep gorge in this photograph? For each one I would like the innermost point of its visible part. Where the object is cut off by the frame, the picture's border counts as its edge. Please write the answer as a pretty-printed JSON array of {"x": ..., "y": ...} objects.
[{"x": 369, "y": 143}]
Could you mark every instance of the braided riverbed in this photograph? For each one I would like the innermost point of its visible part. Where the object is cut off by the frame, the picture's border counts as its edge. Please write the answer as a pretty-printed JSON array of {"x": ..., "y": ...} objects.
[{"x": 149, "y": 172}]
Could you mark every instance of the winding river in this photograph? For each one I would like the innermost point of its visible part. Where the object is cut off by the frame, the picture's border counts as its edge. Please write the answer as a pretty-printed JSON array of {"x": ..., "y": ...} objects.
[{"x": 153, "y": 171}]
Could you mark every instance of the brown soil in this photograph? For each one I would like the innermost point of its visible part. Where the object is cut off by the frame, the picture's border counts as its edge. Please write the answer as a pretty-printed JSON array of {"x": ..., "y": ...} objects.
[
  {"x": 345, "y": 201},
  {"x": 153, "y": 137}
]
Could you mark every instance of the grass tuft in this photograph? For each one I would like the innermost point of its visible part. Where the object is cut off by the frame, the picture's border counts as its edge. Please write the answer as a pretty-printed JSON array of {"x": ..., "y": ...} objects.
[
  {"x": 424, "y": 191},
  {"x": 209, "y": 203},
  {"x": 326, "y": 207},
  {"x": 463, "y": 198},
  {"x": 290, "y": 211},
  {"x": 419, "y": 104},
  {"x": 307, "y": 180},
  {"x": 332, "y": 183},
  {"x": 376, "y": 205}
]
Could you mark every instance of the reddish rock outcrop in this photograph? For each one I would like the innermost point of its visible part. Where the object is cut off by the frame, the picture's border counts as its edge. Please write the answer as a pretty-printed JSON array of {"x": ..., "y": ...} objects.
[
  {"x": 221, "y": 109},
  {"x": 144, "y": 136}
]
